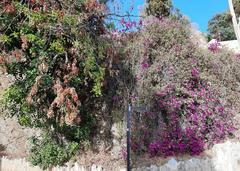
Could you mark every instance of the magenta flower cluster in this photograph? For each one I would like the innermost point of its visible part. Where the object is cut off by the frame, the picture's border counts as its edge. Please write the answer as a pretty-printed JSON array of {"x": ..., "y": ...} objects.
[
  {"x": 129, "y": 24},
  {"x": 237, "y": 56},
  {"x": 144, "y": 65},
  {"x": 193, "y": 119},
  {"x": 187, "y": 120},
  {"x": 214, "y": 45},
  {"x": 195, "y": 72}
]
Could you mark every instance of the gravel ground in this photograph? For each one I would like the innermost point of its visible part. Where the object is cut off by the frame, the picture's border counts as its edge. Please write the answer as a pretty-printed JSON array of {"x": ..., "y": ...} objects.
[{"x": 13, "y": 137}]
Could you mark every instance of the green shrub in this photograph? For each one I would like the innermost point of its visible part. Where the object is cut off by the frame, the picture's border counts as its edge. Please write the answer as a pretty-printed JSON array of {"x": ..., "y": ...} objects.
[
  {"x": 59, "y": 57},
  {"x": 159, "y": 8},
  {"x": 164, "y": 52},
  {"x": 220, "y": 27},
  {"x": 45, "y": 152},
  {"x": 164, "y": 55}
]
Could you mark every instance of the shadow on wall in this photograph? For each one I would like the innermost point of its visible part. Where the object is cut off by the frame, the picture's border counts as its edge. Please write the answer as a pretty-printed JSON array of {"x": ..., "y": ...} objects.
[{"x": 2, "y": 153}]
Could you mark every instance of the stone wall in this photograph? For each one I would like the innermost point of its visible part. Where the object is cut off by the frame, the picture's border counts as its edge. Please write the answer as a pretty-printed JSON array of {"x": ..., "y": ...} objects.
[
  {"x": 231, "y": 45},
  {"x": 225, "y": 157}
]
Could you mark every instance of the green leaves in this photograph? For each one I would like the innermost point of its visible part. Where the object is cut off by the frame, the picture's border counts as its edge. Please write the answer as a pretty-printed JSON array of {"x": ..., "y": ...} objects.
[
  {"x": 13, "y": 99},
  {"x": 59, "y": 63},
  {"x": 57, "y": 46},
  {"x": 25, "y": 119},
  {"x": 159, "y": 8},
  {"x": 31, "y": 38},
  {"x": 5, "y": 39},
  {"x": 98, "y": 78},
  {"x": 70, "y": 20},
  {"x": 14, "y": 94},
  {"x": 37, "y": 17},
  {"x": 46, "y": 152},
  {"x": 220, "y": 27}
]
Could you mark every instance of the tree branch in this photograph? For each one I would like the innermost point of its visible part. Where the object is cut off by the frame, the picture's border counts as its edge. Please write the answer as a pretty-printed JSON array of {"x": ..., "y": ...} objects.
[{"x": 124, "y": 15}]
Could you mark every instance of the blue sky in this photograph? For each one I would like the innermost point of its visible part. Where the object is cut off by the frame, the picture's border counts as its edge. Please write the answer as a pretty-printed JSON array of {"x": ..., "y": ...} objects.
[{"x": 199, "y": 11}]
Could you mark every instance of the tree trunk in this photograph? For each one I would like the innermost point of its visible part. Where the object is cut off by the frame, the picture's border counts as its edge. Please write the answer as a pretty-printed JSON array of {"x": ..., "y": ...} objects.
[{"x": 234, "y": 20}]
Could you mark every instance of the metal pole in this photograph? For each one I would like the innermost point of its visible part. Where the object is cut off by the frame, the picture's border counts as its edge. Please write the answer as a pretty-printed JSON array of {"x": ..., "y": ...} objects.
[{"x": 129, "y": 137}]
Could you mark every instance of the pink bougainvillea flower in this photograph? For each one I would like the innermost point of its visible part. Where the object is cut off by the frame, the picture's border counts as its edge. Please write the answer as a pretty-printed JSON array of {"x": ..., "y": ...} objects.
[
  {"x": 237, "y": 56},
  {"x": 140, "y": 23},
  {"x": 158, "y": 69},
  {"x": 170, "y": 71},
  {"x": 160, "y": 93},
  {"x": 123, "y": 22},
  {"x": 144, "y": 65},
  {"x": 214, "y": 45},
  {"x": 138, "y": 77},
  {"x": 195, "y": 72},
  {"x": 128, "y": 24}
]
